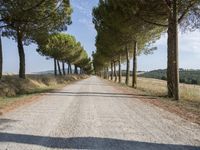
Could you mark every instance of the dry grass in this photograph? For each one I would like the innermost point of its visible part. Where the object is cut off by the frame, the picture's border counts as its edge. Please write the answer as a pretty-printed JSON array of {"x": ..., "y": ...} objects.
[
  {"x": 159, "y": 88},
  {"x": 154, "y": 91},
  {"x": 15, "y": 91},
  {"x": 12, "y": 86},
  {"x": 4, "y": 102}
]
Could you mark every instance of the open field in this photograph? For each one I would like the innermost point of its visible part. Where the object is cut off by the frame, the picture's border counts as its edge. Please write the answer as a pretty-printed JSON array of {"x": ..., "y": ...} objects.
[{"x": 159, "y": 88}]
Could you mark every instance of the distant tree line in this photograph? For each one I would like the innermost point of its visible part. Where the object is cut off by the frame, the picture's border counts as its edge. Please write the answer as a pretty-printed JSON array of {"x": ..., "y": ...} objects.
[{"x": 186, "y": 76}]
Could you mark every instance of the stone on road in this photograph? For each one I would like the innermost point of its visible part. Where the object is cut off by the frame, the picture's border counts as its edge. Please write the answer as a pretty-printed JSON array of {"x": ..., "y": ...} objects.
[{"x": 92, "y": 114}]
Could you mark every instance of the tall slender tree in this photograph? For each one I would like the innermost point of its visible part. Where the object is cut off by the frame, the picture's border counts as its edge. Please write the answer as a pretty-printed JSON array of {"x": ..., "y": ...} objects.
[
  {"x": 116, "y": 31},
  {"x": 63, "y": 67},
  {"x": 168, "y": 14},
  {"x": 127, "y": 66},
  {"x": 143, "y": 22},
  {"x": 134, "y": 74},
  {"x": 59, "y": 68},
  {"x": 1, "y": 58},
  {"x": 21, "y": 19},
  {"x": 120, "y": 70},
  {"x": 55, "y": 67}
]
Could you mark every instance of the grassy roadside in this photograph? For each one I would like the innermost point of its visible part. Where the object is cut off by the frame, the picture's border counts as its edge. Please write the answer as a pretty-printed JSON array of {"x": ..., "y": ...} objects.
[
  {"x": 154, "y": 92},
  {"x": 7, "y": 101},
  {"x": 157, "y": 87},
  {"x": 15, "y": 92}
]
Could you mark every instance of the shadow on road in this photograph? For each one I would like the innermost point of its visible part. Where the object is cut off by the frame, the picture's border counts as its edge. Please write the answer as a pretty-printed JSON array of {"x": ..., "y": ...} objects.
[
  {"x": 94, "y": 84},
  {"x": 88, "y": 143},
  {"x": 99, "y": 94},
  {"x": 5, "y": 121}
]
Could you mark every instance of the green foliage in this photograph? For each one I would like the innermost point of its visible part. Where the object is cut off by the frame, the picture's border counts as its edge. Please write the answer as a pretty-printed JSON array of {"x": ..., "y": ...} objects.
[
  {"x": 34, "y": 16},
  {"x": 186, "y": 76},
  {"x": 65, "y": 48},
  {"x": 124, "y": 24},
  {"x": 118, "y": 29},
  {"x": 29, "y": 21}
]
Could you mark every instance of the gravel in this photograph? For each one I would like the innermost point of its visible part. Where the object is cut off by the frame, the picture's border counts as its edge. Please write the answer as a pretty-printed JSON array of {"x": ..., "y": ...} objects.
[{"x": 92, "y": 114}]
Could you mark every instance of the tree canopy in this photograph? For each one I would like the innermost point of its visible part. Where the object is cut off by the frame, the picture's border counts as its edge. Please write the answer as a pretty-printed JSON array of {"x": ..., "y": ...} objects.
[
  {"x": 25, "y": 21},
  {"x": 127, "y": 26},
  {"x": 64, "y": 47}
]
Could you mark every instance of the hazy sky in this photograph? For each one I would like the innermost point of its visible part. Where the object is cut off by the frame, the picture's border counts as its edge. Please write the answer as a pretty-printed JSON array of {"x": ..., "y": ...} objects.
[{"x": 83, "y": 29}]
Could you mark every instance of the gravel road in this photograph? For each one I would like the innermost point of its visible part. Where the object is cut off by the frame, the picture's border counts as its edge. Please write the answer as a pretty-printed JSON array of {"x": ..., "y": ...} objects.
[{"x": 92, "y": 114}]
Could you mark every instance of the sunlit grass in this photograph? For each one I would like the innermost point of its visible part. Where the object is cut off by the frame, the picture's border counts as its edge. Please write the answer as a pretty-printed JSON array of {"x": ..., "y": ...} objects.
[
  {"x": 13, "y": 89},
  {"x": 7, "y": 101},
  {"x": 159, "y": 88}
]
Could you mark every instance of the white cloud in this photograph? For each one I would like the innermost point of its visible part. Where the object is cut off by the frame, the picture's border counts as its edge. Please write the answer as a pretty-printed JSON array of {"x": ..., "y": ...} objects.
[
  {"x": 190, "y": 42},
  {"x": 87, "y": 23},
  {"x": 84, "y": 9}
]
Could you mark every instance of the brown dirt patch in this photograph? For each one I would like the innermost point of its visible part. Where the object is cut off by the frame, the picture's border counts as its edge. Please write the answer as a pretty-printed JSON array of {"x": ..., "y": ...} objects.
[{"x": 22, "y": 101}]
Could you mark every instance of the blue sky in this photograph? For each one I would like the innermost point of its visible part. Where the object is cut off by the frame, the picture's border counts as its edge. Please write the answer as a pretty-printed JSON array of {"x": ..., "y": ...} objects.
[{"x": 83, "y": 29}]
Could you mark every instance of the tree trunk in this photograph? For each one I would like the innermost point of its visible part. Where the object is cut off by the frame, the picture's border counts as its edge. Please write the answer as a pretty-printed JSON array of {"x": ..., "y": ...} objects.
[
  {"x": 107, "y": 72},
  {"x": 59, "y": 69},
  {"x": 55, "y": 67},
  {"x": 175, "y": 56},
  {"x": 82, "y": 71},
  {"x": 21, "y": 55},
  {"x": 172, "y": 65},
  {"x": 1, "y": 59},
  {"x": 111, "y": 71},
  {"x": 115, "y": 73},
  {"x": 75, "y": 69},
  {"x": 120, "y": 71},
  {"x": 169, "y": 57},
  {"x": 134, "y": 75},
  {"x": 70, "y": 68},
  {"x": 127, "y": 66},
  {"x": 63, "y": 68}
]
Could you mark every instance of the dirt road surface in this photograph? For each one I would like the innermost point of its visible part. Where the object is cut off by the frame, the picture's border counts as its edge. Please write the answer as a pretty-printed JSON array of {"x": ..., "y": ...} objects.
[{"x": 92, "y": 114}]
